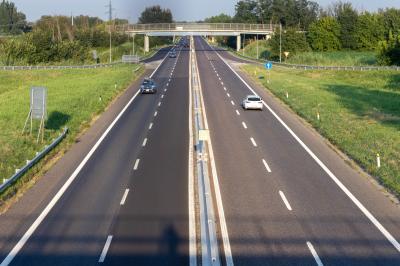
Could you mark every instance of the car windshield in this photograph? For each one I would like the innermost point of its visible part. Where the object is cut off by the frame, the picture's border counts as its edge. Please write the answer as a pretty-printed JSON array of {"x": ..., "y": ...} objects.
[
  {"x": 146, "y": 81},
  {"x": 254, "y": 99}
]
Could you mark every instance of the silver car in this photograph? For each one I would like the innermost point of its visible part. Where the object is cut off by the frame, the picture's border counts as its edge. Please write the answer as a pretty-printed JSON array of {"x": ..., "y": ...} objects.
[
  {"x": 148, "y": 86},
  {"x": 252, "y": 102}
]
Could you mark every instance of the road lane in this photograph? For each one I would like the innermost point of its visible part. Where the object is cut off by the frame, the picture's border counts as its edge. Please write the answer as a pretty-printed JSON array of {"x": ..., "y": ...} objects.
[
  {"x": 73, "y": 232},
  {"x": 152, "y": 227},
  {"x": 337, "y": 229}
]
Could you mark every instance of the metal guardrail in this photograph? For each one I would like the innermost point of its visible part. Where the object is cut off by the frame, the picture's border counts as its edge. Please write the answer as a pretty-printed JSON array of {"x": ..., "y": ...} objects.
[
  {"x": 32, "y": 162},
  {"x": 209, "y": 246},
  {"x": 58, "y": 67},
  {"x": 196, "y": 26},
  {"x": 310, "y": 67}
]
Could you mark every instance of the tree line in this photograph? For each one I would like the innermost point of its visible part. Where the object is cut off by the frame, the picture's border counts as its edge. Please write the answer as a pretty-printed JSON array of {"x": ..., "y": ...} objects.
[
  {"x": 65, "y": 39},
  {"x": 308, "y": 27}
]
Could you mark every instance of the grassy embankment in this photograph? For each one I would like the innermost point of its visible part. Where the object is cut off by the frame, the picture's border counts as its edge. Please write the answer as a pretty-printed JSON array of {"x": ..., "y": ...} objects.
[
  {"x": 73, "y": 101},
  {"x": 360, "y": 112},
  {"x": 337, "y": 58}
]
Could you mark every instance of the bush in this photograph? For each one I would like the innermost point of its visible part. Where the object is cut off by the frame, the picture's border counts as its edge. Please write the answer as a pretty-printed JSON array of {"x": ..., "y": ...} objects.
[
  {"x": 293, "y": 41},
  {"x": 324, "y": 35},
  {"x": 389, "y": 51}
]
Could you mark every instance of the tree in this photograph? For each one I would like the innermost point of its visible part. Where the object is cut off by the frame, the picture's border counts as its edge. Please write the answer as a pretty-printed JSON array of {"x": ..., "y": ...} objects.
[
  {"x": 347, "y": 16},
  {"x": 391, "y": 21},
  {"x": 293, "y": 41},
  {"x": 389, "y": 51},
  {"x": 221, "y": 18},
  {"x": 12, "y": 21},
  {"x": 246, "y": 11},
  {"x": 155, "y": 14},
  {"x": 369, "y": 31},
  {"x": 324, "y": 35}
]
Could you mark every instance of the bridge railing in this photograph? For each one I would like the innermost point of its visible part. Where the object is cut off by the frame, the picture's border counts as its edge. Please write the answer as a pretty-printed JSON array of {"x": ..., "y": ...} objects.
[{"x": 196, "y": 26}]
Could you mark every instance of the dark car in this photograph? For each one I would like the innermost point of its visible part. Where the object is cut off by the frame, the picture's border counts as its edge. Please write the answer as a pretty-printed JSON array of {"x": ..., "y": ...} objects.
[{"x": 148, "y": 86}]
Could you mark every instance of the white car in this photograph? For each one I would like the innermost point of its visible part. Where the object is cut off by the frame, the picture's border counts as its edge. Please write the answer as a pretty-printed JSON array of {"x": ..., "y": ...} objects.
[{"x": 252, "y": 102}]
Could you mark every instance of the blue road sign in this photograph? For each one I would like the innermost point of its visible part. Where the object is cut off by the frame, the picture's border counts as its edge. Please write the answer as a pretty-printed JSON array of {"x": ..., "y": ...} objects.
[{"x": 268, "y": 65}]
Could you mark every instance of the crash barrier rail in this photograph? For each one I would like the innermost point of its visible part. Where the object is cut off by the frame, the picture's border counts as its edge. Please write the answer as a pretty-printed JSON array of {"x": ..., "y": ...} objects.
[
  {"x": 58, "y": 67},
  {"x": 310, "y": 67},
  {"x": 20, "y": 172}
]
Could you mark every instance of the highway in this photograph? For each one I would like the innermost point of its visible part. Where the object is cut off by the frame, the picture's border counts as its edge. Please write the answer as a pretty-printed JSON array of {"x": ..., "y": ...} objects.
[{"x": 121, "y": 197}]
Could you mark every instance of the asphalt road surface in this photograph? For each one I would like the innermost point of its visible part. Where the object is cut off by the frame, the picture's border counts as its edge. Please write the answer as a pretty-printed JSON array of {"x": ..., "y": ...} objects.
[{"x": 288, "y": 198}]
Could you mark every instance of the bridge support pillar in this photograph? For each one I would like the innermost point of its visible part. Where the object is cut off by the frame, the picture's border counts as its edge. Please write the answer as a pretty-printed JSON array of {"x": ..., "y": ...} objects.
[
  {"x": 238, "y": 43},
  {"x": 146, "y": 44}
]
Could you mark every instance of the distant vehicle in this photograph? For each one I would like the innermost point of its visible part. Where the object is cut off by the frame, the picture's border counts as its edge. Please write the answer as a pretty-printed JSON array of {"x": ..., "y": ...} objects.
[
  {"x": 172, "y": 54},
  {"x": 252, "y": 102},
  {"x": 148, "y": 86}
]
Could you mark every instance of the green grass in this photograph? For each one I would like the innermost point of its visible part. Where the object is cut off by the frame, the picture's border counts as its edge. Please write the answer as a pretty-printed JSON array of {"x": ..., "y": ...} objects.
[
  {"x": 73, "y": 101},
  {"x": 250, "y": 49},
  {"x": 360, "y": 112},
  {"x": 338, "y": 58}
]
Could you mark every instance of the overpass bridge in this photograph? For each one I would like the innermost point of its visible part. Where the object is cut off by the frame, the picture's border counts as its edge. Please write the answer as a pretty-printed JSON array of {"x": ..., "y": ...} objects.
[{"x": 200, "y": 29}]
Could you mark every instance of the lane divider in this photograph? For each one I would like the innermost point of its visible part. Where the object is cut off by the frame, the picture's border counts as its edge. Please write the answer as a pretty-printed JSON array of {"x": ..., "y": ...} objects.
[
  {"x": 124, "y": 197},
  {"x": 135, "y": 167},
  {"x": 266, "y": 166},
  {"x": 284, "y": 199},
  {"x": 253, "y": 141},
  {"x": 105, "y": 249},
  {"x": 314, "y": 253}
]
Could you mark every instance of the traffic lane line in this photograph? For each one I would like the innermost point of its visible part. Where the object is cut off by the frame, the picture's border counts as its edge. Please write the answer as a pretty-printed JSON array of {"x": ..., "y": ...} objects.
[
  {"x": 253, "y": 142},
  {"x": 144, "y": 142},
  {"x": 136, "y": 166},
  {"x": 237, "y": 112},
  {"x": 266, "y": 166},
  {"x": 124, "y": 197},
  {"x": 105, "y": 249},
  {"x": 284, "y": 199},
  {"x": 314, "y": 254},
  {"x": 244, "y": 125},
  {"x": 150, "y": 126}
]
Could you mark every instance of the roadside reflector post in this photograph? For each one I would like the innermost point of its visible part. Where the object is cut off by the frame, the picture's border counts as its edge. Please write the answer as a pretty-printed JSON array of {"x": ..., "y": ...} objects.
[
  {"x": 378, "y": 160},
  {"x": 287, "y": 95}
]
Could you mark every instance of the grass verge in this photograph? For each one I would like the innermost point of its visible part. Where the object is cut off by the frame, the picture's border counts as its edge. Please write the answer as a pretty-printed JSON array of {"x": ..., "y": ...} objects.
[
  {"x": 75, "y": 99},
  {"x": 359, "y": 112}
]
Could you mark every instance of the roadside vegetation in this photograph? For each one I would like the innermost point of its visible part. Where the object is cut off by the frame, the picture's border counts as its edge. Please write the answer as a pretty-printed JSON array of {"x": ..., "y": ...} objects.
[
  {"x": 334, "y": 58},
  {"x": 312, "y": 34},
  {"x": 75, "y": 98},
  {"x": 359, "y": 112}
]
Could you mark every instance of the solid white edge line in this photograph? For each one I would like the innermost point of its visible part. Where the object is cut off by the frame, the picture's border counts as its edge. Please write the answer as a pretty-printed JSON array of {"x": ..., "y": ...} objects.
[
  {"x": 105, "y": 249},
  {"x": 244, "y": 125},
  {"x": 150, "y": 126},
  {"x": 253, "y": 141},
  {"x": 192, "y": 214},
  {"x": 218, "y": 197},
  {"x": 11, "y": 255},
  {"x": 314, "y": 254},
  {"x": 361, "y": 207},
  {"x": 266, "y": 166},
  {"x": 285, "y": 200},
  {"x": 124, "y": 197},
  {"x": 135, "y": 167},
  {"x": 144, "y": 142}
]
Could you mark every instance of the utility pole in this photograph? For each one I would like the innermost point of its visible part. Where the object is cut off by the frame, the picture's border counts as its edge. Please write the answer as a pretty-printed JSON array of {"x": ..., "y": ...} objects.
[
  {"x": 72, "y": 19},
  {"x": 110, "y": 17},
  {"x": 280, "y": 42}
]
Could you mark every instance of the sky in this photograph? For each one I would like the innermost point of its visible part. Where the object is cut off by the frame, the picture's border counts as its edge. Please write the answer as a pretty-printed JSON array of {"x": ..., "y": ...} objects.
[{"x": 182, "y": 10}]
